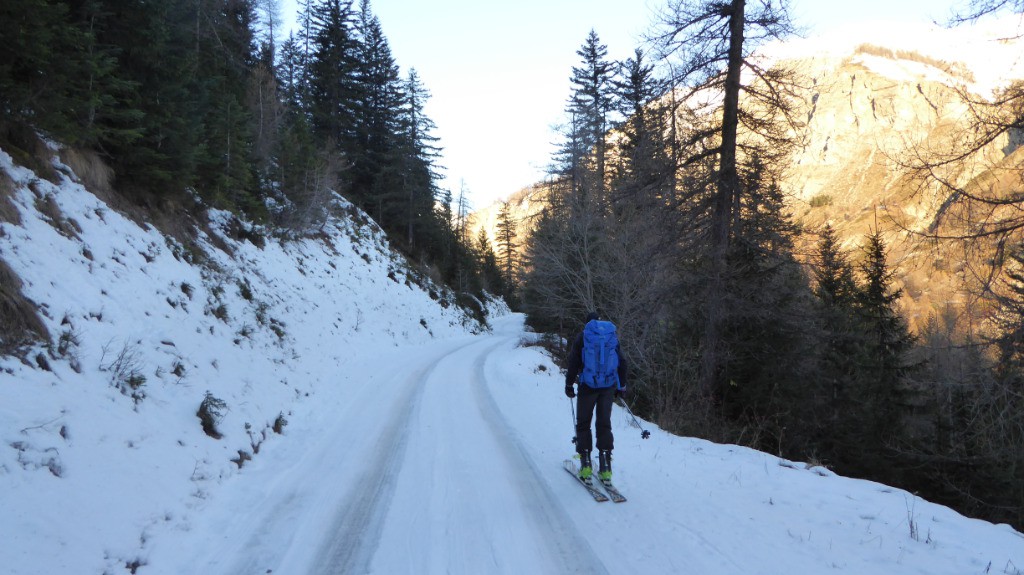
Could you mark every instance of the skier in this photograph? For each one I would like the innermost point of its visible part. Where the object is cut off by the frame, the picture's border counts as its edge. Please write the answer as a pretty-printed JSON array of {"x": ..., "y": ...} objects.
[{"x": 596, "y": 358}]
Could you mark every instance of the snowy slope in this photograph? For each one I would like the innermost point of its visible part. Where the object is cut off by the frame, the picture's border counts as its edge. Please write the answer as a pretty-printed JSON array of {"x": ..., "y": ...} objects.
[
  {"x": 409, "y": 448},
  {"x": 86, "y": 472}
]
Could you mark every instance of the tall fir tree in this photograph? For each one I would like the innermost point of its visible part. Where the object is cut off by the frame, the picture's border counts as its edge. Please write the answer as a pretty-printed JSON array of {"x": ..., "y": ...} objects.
[
  {"x": 590, "y": 107},
  {"x": 291, "y": 73},
  {"x": 768, "y": 341},
  {"x": 332, "y": 72},
  {"x": 643, "y": 170},
  {"x": 60, "y": 74},
  {"x": 836, "y": 285},
  {"x": 158, "y": 52},
  {"x": 490, "y": 271},
  {"x": 840, "y": 351},
  {"x": 225, "y": 47},
  {"x": 377, "y": 115},
  {"x": 34, "y": 39},
  {"x": 507, "y": 247},
  {"x": 417, "y": 166},
  {"x": 883, "y": 386}
]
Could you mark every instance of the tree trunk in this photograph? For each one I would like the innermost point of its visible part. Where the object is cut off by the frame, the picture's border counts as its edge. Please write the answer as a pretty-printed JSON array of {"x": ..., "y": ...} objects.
[{"x": 726, "y": 193}]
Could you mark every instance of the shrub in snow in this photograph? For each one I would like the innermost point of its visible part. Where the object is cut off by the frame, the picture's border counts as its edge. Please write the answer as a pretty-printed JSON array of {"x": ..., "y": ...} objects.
[
  {"x": 279, "y": 423},
  {"x": 245, "y": 290},
  {"x": 210, "y": 412},
  {"x": 68, "y": 344},
  {"x": 125, "y": 370}
]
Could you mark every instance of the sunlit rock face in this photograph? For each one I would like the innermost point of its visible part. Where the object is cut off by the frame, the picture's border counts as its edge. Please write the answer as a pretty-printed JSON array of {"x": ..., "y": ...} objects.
[{"x": 877, "y": 106}]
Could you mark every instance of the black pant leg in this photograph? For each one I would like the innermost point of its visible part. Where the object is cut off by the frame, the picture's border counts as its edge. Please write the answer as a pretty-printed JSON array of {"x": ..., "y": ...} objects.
[
  {"x": 604, "y": 400},
  {"x": 586, "y": 399}
]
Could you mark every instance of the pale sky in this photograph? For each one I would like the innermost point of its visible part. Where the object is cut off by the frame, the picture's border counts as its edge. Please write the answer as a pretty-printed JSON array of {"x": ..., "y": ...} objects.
[{"x": 498, "y": 72}]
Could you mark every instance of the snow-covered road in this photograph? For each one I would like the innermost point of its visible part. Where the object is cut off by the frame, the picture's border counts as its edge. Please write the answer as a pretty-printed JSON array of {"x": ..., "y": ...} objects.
[
  {"x": 451, "y": 489},
  {"x": 417, "y": 470},
  {"x": 445, "y": 458}
]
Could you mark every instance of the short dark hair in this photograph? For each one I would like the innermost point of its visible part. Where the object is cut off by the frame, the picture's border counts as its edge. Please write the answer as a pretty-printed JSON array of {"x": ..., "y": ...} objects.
[{"x": 593, "y": 315}]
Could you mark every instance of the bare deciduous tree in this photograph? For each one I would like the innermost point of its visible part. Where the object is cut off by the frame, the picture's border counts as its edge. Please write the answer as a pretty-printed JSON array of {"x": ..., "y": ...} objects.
[{"x": 713, "y": 43}]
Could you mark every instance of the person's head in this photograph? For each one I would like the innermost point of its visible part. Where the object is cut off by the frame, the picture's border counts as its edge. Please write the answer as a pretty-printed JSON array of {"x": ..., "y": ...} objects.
[{"x": 592, "y": 316}]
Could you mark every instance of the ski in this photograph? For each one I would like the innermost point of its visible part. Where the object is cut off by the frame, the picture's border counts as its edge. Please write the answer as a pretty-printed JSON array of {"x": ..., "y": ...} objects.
[
  {"x": 613, "y": 492},
  {"x": 570, "y": 466}
]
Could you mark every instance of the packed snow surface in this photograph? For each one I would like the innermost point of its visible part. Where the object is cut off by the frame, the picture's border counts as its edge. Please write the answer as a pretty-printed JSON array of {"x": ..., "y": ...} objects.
[{"x": 415, "y": 442}]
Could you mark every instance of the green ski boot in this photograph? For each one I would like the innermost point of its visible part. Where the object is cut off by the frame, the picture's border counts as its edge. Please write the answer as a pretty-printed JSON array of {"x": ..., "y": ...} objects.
[
  {"x": 604, "y": 473},
  {"x": 586, "y": 470}
]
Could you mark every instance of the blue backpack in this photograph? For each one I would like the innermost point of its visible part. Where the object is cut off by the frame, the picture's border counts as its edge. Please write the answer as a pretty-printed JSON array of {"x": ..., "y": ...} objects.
[{"x": 600, "y": 355}]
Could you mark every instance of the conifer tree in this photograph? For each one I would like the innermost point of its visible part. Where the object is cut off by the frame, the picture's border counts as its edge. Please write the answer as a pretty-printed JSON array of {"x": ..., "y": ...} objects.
[
  {"x": 377, "y": 115},
  {"x": 507, "y": 246},
  {"x": 267, "y": 112},
  {"x": 836, "y": 285},
  {"x": 882, "y": 390},
  {"x": 840, "y": 352},
  {"x": 643, "y": 170},
  {"x": 591, "y": 105},
  {"x": 878, "y": 302},
  {"x": 307, "y": 172},
  {"x": 490, "y": 272},
  {"x": 33, "y": 39},
  {"x": 466, "y": 265},
  {"x": 565, "y": 252},
  {"x": 768, "y": 298},
  {"x": 269, "y": 16},
  {"x": 225, "y": 49},
  {"x": 59, "y": 76},
  {"x": 308, "y": 165},
  {"x": 331, "y": 72},
  {"x": 97, "y": 97},
  {"x": 291, "y": 72},
  {"x": 417, "y": 170},
  {"x": 1010, "y": 319},
  {"x": 157, "y": 53}
]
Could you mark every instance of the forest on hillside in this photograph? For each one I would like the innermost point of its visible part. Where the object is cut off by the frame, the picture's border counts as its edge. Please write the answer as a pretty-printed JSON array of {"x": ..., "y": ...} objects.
[
  {"x": 182, "y": 106},
  {"x": 665, "y": 212}
]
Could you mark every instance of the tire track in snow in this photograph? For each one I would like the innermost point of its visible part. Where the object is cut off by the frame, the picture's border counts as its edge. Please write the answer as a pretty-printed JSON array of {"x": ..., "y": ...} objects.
[
  {"x": 356, "y": 531},
  {"x": 568, "y": 550}
]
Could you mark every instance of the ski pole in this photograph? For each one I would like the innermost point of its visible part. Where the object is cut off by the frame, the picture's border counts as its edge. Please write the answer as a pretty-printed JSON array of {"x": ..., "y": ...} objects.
[
  {"x": 573, "y": 408},
  {"x": 644, "y": 434}
]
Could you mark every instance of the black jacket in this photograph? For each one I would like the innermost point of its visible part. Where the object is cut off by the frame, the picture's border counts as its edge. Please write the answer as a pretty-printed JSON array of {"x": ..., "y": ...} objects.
[{"x": 574, "y": 363}]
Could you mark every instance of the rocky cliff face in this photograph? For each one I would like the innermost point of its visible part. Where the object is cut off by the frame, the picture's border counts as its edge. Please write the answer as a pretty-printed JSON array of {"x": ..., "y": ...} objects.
[
  {"x": 871, "y": 111},
  {"x": 873, "y": 100},
  {"x": 867, "y": 113}
]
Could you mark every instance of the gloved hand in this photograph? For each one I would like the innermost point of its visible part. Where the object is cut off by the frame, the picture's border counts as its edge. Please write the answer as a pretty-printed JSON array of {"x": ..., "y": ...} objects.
[
  {"x": 621, "y": 393},
  {"x": 569, "y": 391}
]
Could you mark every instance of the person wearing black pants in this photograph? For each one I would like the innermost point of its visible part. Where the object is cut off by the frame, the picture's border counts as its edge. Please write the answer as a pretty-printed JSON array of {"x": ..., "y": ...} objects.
[{"x": 589, "y": 400}]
